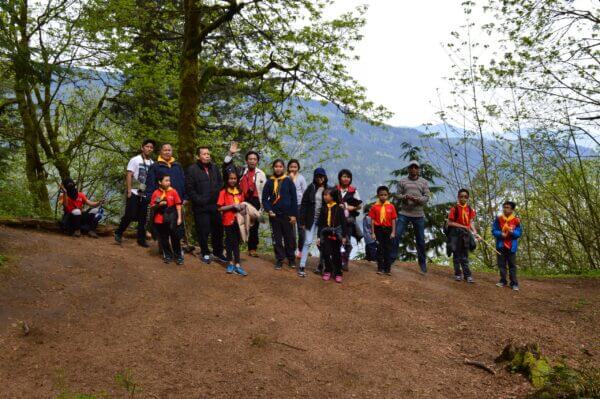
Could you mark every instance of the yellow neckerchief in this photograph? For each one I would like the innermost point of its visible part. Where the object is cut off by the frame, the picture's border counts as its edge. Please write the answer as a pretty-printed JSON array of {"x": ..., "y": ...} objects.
[
  {"x": 169, "y": 162},
  {"x": 164, "y": 192},
  {"x": 276, "y": 183},
  {"x": 235, "y": 194},
  {"x": 329, "y": 206},
  {"x": 504, "y": 220},
  {"x": 382, "y": 211},
  {"x": 464, "y": 213}
]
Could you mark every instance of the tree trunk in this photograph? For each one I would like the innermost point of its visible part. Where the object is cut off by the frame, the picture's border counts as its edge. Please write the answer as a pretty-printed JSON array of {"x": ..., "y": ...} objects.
[{"x": 189, "y": 95}]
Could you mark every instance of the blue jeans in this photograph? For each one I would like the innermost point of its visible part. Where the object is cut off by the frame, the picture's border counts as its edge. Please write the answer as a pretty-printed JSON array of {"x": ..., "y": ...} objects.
[{"x": 419, "y": 226}]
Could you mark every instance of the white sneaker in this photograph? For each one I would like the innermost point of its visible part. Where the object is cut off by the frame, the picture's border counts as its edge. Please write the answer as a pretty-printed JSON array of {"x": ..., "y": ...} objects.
[{"x": 515, "y": 288}]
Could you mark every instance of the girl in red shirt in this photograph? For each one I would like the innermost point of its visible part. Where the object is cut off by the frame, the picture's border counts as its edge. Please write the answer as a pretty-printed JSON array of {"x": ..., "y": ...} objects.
[
  {"x": 383, "y": 214},
  {"x": 166, "y": 205},
  {"x": 230, "y": 202}
]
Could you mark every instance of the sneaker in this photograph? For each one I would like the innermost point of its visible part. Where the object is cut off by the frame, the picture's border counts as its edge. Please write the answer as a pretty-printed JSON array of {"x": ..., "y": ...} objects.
[
  {"x": 240, "y": 271},
  {"x": 118, "y": 238},
  {"x": 143, "y": 244},
  {"x": 230, "y": 268},
  {"x": 253, "y": 253},
  {"x": 278, "y": 265},
  {"x": 179, "y": 261},
  {"x": 345, "y": 267},
  {"x": 470, "y": 280},
  {"x": 77, "y": 233},
  {"x": 326, "y": 276},
  {"x": 338, "y": 279},
  {"x": 380, "y": 272},
  {"x": 501, "y": 285},
  {"x": 205, "y": 259},
  {"x": 301, "y": 272},
  {"x": 422, "y": 273},
  {"x": 221, "y": 258},
  {"x": 92, "y": 234},
  {"x": 387, "y": 273},
  {"x": 167, "y": 259},
  {"x": 318, "y": 271},
  {"x": 457, "y": 278},
  {"x": 292, "y": 264},
  {"x": 515, "y": 288}
]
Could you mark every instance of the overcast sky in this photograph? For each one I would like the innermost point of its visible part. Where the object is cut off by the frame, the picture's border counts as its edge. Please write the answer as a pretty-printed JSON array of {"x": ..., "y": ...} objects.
[{"x": 402, "y": 58}]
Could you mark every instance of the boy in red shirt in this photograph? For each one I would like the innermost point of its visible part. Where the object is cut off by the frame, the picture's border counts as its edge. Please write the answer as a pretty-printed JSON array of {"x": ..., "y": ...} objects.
[
  {"x": 231, "y": 201},
  {"x": 166, "y": 204},
  {"x": 75, "y": 219},
  {"x": 383, "y": 214},
  {"x": 461, "y": 218}
]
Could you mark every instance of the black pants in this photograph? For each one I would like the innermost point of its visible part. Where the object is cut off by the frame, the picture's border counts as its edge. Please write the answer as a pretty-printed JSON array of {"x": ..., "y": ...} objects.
[
  {"x": 209, "y": 223},
  {"x": 384, "y": 248},
  {"x": 84, "y": 222},
  {"x": 232, "y": 242},
  {"x": 330, "y": 250},
  {"x": 169, "y": 240},
  {"x": 460, "y": 258},
  {"x": 371, "y": 251},
  {"x": 136, "y": 209},
  {"x": 253, "y": 233},
  {"x": 508, "y": 259},
  {"x": 282, "y": 234}
]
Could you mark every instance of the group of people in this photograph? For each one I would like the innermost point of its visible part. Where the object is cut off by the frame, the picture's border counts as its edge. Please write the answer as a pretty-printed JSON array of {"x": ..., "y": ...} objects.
[{"x": 229, "y": 202}]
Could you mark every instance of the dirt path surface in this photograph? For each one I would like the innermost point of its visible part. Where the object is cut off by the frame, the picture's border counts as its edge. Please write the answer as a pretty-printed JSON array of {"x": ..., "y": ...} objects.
[{"x": 95, "y": 309}]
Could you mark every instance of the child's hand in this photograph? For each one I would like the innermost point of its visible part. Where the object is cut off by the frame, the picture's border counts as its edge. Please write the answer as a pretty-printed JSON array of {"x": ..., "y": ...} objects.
[
  {"x": 179, "y": 221},
  {"x": 344, "y": 241},
  {"x": 293, "y": 219},
  {"x": 393, "y": 235},
  {"x": 162, "y": 203},
  {"x": 318, "y": 242},
  {"x": 374, "y": 237},
  {"x": 272, "y": 214}
]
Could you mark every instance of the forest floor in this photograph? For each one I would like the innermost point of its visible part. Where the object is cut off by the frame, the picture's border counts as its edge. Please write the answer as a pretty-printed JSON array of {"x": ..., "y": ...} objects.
[{"x": 95, "y": 309}]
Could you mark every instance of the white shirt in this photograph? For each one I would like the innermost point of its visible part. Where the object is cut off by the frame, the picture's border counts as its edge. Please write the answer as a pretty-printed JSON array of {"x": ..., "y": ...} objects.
[{"x": 139, "y": 167}]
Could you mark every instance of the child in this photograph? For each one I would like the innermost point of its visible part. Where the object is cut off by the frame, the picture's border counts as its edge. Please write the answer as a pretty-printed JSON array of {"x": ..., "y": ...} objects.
[
  {"x": 507, "y": 230},
  {"x": 332, "y": 230},
  {"x": 383, "y": 213},
  {"x": 230, "y": 202},
  {"x": 293, "y": 169},
  {"x": 351, "y": 203},
  {"x": 460, "y": 228},
  {"x": 370, "y": 243},
  {"x": 75, "y": 220},
  {"x": 280, "y": 202},
  {"x": 166, "y": 206},
  {"x": 310, "y": 209}
]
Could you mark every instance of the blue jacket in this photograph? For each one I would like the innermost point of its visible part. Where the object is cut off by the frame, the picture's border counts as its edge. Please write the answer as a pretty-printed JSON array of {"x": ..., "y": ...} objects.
[
  {"x": 516, "y": 234},
  {"x": 175, "y": 171},
  {"x": 288, "y": 202}
]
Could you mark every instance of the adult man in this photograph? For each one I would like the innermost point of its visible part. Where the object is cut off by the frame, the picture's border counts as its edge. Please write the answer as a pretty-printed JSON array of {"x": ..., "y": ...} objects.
[
  {"x": 413, "y": 192},
  {"x": 166, "y": 165},
  {"x": 252, "y": 182},
  {"x": 136, "y": 204},
  {"x": 203, "y": 183}
]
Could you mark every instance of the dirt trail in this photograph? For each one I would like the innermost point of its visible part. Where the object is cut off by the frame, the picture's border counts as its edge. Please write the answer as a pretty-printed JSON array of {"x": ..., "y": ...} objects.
[{"x": 95, "y": 309}]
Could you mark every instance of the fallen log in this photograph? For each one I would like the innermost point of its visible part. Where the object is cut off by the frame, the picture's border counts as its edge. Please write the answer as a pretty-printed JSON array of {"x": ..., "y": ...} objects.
[{"x": 480, "y": 365}]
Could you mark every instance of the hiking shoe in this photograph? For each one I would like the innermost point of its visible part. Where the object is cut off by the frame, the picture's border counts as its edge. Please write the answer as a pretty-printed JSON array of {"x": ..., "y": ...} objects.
[
  {"x": 515, "y": 288},
  {"x": 292, "y": 264},
  {"x": 301, "y": 272},
  {"x": 326, "y": 276},
  {"x": 501, "y": 285},
  {"x": 422, "y": 273},
  {"x": 339, "y": 279},
  {"x": 379, "y": 272},
  {"x": 238, "y": 270},
  {"x": 457, "y": 278},
  {"x": 205, "y": 259},
  {"x": 77, "y": 233},
  {"x": 118, "y": 238},
  {"x": 179, "y": 261},
  {"x": 253, "y": 253},
  {"x": 143, "y": 244},
  {"x": 92, "y": 234},
  {"x": 230, "y": 268},
  {"x": 387, "y": 273},
  {"x": 318, "y": 270},
  {"x": 221, "y": 258},
  {"x": 167, "y": 259},
  {"x": 278, "y": 265},
  {"x": 470, "y": 280}
]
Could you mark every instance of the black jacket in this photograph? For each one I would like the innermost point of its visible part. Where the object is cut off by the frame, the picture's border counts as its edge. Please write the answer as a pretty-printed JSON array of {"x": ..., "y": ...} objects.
[
  {"x": 203, "y": 187},
  {"x": 175, "y": 171},
  {"x": 306, "y": 214},
  {"x": 339, "y": 225}
]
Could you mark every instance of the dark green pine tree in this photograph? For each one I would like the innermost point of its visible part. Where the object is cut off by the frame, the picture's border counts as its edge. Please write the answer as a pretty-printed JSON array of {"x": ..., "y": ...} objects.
[{"x": 435, "y": 213}]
